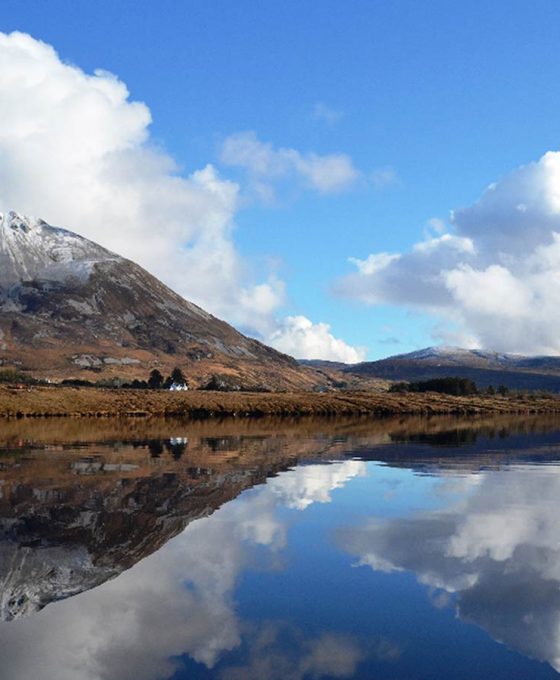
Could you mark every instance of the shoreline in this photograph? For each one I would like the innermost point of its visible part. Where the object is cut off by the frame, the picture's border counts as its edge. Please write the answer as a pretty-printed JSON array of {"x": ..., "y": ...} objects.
[{"x": 90, "y": 402}]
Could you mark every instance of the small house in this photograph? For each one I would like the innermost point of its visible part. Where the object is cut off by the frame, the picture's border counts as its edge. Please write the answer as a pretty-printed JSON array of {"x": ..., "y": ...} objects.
[{"x": 178, "y": 387}]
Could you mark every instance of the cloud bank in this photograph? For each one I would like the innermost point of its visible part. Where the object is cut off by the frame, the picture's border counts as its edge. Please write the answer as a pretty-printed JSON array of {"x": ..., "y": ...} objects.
[
  {"x": 495, "y": 272},
  {"x": 76, "y": 151}
]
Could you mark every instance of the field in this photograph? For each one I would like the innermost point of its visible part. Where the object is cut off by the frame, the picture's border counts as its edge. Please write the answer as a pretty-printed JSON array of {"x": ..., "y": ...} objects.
[{"x": 18, "y": 401}]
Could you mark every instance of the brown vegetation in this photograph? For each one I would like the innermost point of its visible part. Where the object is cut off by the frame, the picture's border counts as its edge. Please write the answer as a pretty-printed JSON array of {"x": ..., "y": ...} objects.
[{"x": 90, "y": 402}]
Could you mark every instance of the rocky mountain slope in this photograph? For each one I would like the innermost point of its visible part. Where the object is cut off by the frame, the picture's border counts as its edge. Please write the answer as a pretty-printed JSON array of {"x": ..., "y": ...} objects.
[
  {"x": 484, "y": 367},
  {"x": 69, "y": 307}
]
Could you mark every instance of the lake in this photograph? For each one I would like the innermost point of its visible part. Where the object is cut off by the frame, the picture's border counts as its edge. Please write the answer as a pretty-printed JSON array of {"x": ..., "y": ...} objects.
[{"x": 380, "y": 549}]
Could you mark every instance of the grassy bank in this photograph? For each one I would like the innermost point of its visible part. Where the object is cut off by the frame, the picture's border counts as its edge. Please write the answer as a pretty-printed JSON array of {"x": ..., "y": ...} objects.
[{"x": 94, "y": 402}]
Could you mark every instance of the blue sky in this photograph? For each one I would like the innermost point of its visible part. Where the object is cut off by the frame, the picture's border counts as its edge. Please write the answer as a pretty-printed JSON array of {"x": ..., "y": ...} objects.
[{"x": 428, "y": 102}]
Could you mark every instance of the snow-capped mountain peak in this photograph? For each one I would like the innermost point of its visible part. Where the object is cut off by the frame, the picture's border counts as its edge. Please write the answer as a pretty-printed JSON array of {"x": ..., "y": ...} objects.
[
  {"x": 434, "y": 352},
  {"x": 32, "y": 249}
]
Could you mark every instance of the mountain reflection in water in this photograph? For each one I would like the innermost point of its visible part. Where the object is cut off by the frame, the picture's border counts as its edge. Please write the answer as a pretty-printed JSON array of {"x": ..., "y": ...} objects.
[{"x": 261, "y": 549}]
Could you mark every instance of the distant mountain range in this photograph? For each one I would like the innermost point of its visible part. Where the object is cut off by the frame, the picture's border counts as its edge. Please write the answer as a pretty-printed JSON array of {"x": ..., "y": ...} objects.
[
  {"x": 484, "y": 367},
  {"x": 71, "y": 308}
]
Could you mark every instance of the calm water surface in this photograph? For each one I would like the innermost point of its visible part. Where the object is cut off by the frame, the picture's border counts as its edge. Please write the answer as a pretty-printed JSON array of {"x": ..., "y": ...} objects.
[{"x": 384, "y": 550}]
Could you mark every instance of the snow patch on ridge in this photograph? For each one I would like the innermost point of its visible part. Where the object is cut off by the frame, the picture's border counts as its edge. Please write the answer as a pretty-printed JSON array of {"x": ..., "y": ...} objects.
[
  {"x": 458, "y": 354},
  {"x": 32, "y": 249}
]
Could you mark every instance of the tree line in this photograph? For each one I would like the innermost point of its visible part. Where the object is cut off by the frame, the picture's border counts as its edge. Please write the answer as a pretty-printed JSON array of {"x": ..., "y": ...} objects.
[
  {"x": 460, "y": 387},
  {"x": 156, "y": 381}
]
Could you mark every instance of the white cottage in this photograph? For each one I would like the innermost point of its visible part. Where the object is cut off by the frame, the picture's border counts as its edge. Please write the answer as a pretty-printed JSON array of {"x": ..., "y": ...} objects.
[{"x": 178, "y": 387}]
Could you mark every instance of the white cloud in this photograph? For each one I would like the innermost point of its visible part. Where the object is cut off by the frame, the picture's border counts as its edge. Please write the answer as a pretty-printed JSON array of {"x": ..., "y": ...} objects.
[
  {"x": 374, "y": 263},
  {"x": 496, "y": 275},
  {"x": 76, "y": 151},
  {"x": 267, "y": 165},
  {"x": 460, "y": 244},
  {"x": 508, "y": 298},
  {"x": 309, "y": 484},
  {"x": 303, "y": 339}
]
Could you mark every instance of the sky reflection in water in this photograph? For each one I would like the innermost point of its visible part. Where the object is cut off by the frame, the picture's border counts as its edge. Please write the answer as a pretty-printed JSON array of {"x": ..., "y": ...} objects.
[{"x": 364, "y": 567}]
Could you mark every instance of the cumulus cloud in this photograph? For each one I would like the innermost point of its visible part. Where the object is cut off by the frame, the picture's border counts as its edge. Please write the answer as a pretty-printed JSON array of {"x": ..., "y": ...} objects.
[
  {"x": 495, "y": 273},
  {"x": 267, "y": 165},
  {"x": 300, "y": 337}
]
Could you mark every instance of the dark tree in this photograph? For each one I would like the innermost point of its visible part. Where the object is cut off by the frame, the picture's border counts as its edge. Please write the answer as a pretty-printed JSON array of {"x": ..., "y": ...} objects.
[
  {"x": 156, "y": 448},
  {"x": 155, "y": 380},
  {"x": 177, "y": 376},
  {"x": 176, "y": 450}
]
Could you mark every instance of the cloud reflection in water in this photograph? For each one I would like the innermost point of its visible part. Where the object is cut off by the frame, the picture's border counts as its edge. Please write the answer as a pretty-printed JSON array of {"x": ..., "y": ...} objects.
[{"x": 497, "y": 550}]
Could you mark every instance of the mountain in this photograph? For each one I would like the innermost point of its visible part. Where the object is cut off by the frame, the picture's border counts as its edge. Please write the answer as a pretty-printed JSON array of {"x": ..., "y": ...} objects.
[
  {"x": 484, "y": 367},
  {"x": 69, "y": 306}
]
